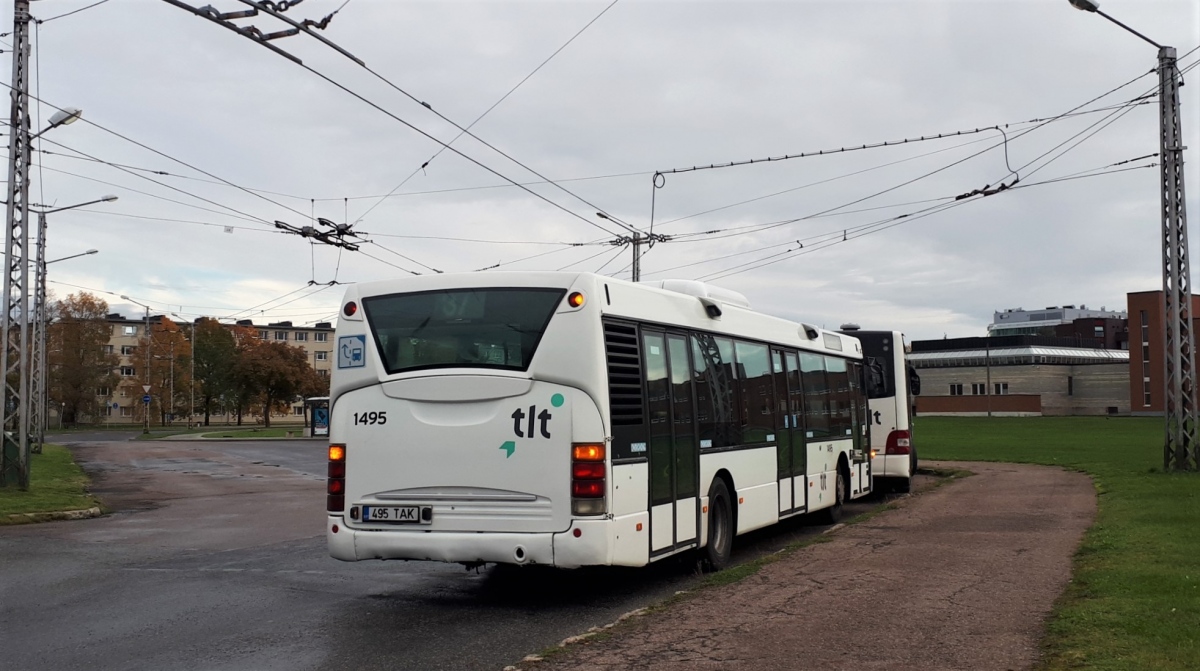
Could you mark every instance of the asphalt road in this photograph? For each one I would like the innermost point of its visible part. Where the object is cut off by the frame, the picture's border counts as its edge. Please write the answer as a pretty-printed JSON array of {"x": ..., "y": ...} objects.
[{"x": 215, "y": 559}]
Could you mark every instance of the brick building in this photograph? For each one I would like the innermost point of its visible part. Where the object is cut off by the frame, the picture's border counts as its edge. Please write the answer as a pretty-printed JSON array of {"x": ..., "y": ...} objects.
[{"x": 1147, "y": 326}]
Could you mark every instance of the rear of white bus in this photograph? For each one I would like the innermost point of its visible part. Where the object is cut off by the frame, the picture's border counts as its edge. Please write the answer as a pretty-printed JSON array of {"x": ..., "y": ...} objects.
[
  {"x": 463, "y": 424},
  {"x": 894, "y": 455}
]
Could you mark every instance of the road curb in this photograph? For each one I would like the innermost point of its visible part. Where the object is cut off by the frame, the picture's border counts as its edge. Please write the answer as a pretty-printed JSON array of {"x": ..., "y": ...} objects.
[{"x": 56, "y": 516}]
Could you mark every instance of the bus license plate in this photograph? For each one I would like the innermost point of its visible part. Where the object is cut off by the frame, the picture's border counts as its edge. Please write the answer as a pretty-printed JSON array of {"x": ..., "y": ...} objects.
[{"x": 401, "y": 514}]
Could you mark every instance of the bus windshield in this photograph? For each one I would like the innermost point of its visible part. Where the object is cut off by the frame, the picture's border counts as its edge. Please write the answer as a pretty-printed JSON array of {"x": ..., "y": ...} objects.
[{"x": 477, "y": 328}]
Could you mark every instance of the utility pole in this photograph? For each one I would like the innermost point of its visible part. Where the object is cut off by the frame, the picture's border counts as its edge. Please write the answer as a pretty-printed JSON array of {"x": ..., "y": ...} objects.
[
  {"x": 635, "y": 243},
  {"x": 14, "y": 361},
  {"x": 146, "y": 374},
  {"x": 37, "y": 369},
  {"x": 1181, "y": 451},
  {"x": 635, "y": 240}
]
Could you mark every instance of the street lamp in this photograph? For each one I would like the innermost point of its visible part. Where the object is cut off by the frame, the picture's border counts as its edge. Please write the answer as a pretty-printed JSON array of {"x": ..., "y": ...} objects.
[
  {"x": 146, "y": 386},
  {"x": 1181, "y": 450},
  {"x": 75, "y": 256},
  {"x": 39, "y": 382},
  {"x": 63, "y": 117},
  {"x": 192, "y": 375}
]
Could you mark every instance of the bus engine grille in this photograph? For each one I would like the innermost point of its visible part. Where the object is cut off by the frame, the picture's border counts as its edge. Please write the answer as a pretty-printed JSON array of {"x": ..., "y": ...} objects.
[{"x": 624, "y": 373}]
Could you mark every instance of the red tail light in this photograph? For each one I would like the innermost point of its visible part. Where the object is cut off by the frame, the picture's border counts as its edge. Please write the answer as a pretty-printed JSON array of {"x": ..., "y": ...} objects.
[
  {"x": 588, "y": 479},
  {"x": 335, "y": 502},
  {"x": 587, "y": 489},
  {"x": 587, "y": 471},
  {"x": 899, "y": 442}
]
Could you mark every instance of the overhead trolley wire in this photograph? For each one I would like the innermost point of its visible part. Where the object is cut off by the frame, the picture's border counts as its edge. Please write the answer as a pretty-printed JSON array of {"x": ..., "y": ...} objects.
[
  {"x": 162, "y": 154},
  {"x": 834, "y": 237},
  {"x": 1040, "y": 123},
  {"x": 1129, "y": 105},
  {"x": 464, "y": 131},
  {"x": 1137, "y": 101},
  {"x": 403, "y": 122}
]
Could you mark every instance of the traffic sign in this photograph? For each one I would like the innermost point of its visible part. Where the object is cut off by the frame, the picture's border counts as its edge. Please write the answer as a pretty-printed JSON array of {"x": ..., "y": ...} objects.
[
  {"x": 146, "y": 388},
  {"x": 146, "y": 399}
]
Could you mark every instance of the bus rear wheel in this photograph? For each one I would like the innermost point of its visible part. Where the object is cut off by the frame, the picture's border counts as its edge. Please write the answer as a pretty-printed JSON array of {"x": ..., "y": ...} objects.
[{"x": 720, "y": 527}]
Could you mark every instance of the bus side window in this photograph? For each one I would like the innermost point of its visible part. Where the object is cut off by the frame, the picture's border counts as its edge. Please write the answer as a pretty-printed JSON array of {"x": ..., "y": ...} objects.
[
  {"x": 876, "y": 383},
  {"x": 837, "y": 375},
  {"x": 756, "y": 414},
  {"x": 816, "y": 396},
  {"x": 715, "y": 378}
]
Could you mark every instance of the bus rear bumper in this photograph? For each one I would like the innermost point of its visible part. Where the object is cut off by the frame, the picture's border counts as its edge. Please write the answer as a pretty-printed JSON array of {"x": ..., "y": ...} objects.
[
  {"x": 447, "y": 546},
  {"x": 891, "y": 466}
]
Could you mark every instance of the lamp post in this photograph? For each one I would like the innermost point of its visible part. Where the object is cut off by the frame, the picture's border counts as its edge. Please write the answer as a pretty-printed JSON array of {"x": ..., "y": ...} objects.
[
  {"x": 39, "y": 382},
  {"x": 1180, "y": 448},
  {"x": 192, "y": 375},
  {"x": 146, "y": 385},
  {"x": 39, "y": 377},
  {"x": 16, "y": 411}
]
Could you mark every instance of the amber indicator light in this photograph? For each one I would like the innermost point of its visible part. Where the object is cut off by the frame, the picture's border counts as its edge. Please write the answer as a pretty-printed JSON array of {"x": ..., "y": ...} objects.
[
  {"x": 588, "y": 452},
  {"x": 575, "y": 300},
  {"x": 337, "y": 452}
]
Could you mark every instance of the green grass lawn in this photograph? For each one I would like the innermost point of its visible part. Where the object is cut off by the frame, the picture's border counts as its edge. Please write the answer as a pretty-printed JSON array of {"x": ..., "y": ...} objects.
[
  {"x": 56, "y": 483},
  {"x": 273, "y": 432},
  {"x": 1134, "y": 601}
]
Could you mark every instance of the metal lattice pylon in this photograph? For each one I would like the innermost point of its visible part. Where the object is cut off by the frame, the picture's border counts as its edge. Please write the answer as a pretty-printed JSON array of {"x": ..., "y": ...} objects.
[
  {"x": 38, "y": 368},
  {"x": 14, "y": 361},
  {"x": 1180, "y": 447}
]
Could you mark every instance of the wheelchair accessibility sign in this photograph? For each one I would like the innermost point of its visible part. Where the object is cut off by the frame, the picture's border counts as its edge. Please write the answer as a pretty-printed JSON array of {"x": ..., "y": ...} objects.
[{"x": 352, "y": 351}]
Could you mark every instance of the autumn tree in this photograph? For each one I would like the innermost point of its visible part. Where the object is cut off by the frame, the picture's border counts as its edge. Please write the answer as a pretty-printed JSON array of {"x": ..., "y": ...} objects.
[
  {"x": 170, "y": 361},
  {"x": 79, "y": 360},
  {"x": 216, "y": 352},
  {"x": 276, "y": 373},
  {"x": 245, "y": 383}
]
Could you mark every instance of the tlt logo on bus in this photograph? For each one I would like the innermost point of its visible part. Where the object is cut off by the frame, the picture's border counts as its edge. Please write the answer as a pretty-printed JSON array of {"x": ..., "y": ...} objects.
[{"x": 531, "y": 423}]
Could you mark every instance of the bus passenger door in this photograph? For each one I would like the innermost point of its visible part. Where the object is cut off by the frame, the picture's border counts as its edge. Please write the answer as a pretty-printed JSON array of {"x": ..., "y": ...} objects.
[
  {"x": 674, "y": 456},
  {"x": 793, "y": 454},
  {"x": 783, "y": 434}
]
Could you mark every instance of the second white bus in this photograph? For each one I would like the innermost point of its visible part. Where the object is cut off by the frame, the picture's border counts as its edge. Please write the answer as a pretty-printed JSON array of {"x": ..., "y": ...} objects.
[
  {"x": 894, "y": 455},
  {"x": 573, "y": 419}
]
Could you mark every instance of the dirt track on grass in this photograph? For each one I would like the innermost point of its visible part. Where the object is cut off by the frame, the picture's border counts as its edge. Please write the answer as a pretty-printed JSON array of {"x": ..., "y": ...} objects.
[{"x": 960, "y": 577}]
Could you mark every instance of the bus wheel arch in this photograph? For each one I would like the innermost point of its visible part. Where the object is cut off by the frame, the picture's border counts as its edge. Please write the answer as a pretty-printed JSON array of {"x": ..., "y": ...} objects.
[
  {"x": 841, "y": 492},
  {"x": 722, "y": 522}
]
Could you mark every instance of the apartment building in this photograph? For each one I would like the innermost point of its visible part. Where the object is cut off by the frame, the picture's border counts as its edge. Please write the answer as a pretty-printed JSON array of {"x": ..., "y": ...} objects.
[{"x": 121, "y": 402}]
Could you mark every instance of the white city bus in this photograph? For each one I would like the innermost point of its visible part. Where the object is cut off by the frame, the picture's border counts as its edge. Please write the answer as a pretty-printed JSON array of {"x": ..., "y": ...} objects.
[
  {"x": 573, "y": 419},
  {"x": 894, "y": 455}
]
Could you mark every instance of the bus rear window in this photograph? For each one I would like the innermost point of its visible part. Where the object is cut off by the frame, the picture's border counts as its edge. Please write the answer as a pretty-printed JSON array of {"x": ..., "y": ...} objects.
[{"x": 475, "y": 328}]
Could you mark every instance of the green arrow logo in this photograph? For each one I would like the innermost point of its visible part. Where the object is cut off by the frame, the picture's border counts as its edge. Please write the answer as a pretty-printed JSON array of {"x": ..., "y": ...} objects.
[{"x": 509, "y": 447}]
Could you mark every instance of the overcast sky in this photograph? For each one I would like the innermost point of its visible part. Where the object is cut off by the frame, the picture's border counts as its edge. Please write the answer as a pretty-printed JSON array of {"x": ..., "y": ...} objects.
[{"x": 649, "y": 86}]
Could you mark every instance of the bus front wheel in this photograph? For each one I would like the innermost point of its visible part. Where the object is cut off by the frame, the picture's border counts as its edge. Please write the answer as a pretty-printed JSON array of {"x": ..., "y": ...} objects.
[{"x": 720, "y": 527}]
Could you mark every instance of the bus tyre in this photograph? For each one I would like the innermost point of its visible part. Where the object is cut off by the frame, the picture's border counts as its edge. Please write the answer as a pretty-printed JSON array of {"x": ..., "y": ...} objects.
[
  {"x": 833, "y": 514},
  {"x": 905, "y": 485},
  {"x": 720, "y": 527}
]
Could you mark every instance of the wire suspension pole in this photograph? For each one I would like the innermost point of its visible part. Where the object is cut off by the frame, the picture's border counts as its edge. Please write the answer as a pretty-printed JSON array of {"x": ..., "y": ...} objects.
[
  {"x": 1180, "y": 449},
  {"x": 39, "y": 388},
  {"x": 636, "y": 242},
  {"x": 14, "y": 388}
]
